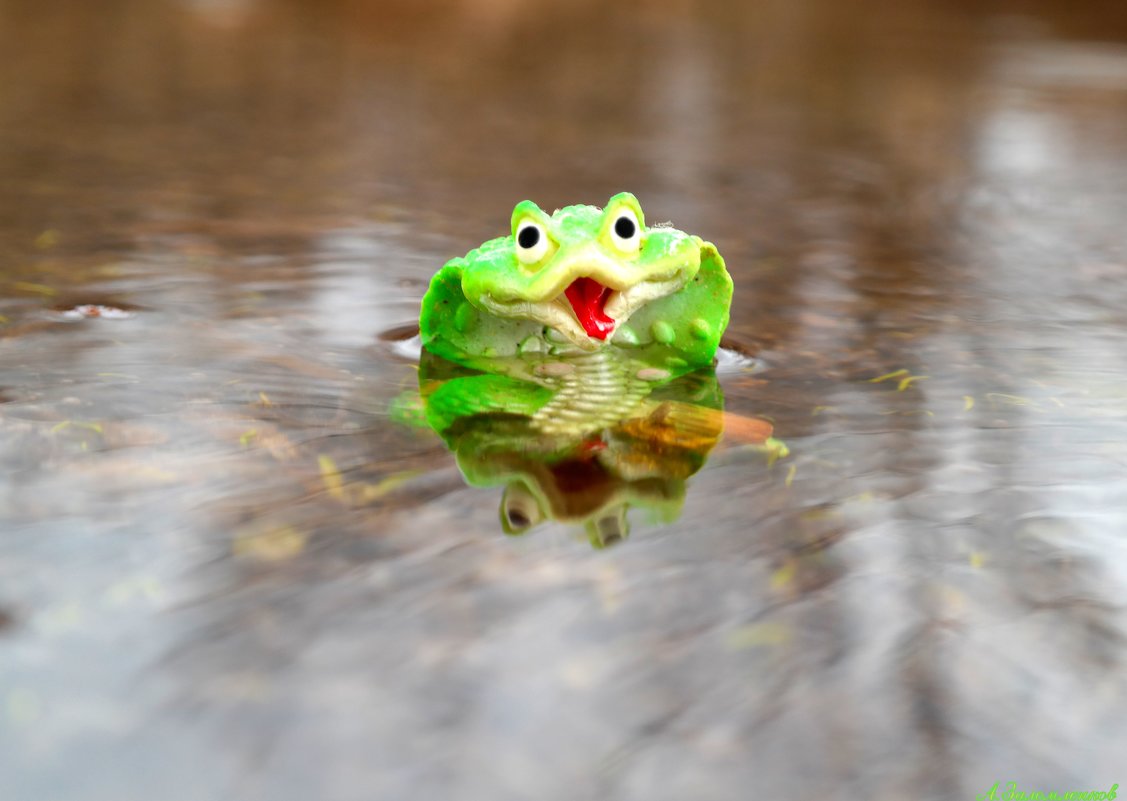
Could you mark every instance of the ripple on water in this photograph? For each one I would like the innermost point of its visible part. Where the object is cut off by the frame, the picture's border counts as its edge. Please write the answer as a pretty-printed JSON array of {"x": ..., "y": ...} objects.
[
  {"x": 734, "y": 356},
  {"x": 94, "y": 309},
  {"x": 402, "y": 342}
]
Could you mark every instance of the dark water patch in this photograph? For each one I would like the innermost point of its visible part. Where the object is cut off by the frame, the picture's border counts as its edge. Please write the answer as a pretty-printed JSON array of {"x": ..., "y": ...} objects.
[
  {"x": 737, "y": 359},
  {"x": 399, "y": 333},
  {"x": 73, "y": 305},
  {"x": 738, "y": 346},
  {"x": 401, "y": 343},
  {"x": 91, "y": 311}
]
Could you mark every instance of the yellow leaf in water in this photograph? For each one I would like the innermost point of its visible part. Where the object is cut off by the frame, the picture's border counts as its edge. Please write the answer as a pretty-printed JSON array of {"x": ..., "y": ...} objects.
[
  {"x": 775, "y": 449},
  {"x": 247, "y": 436},
  {"x": 758, "y": 635},
  {"x": 907, "y": 382},
  {"x": 65, "y": 424},
  {"x": 977, "y": 559},
  {"x": 968, "y": 403},
  {"x": 39, "y": 289},
  {"x": 331, "y": 476},
  {"x": 1010, "y": 400},
  {"x": 373, "y": 492},
  {"x": 109, "y": 270},
  {"x": 784, "y": 575},
  {"x": 820, "y": 513},
  {"x": 270, "y": 545},
  {"x": 279, "y": 447},
  {"x": 886, "y": 376},
  {"x": 48, "y": 239}
]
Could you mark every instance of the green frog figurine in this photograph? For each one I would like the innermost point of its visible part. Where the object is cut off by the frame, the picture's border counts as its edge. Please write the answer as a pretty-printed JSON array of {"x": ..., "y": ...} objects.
[
  {"x": 571, "y": 361},
  {"x": 582, "y": 280}
]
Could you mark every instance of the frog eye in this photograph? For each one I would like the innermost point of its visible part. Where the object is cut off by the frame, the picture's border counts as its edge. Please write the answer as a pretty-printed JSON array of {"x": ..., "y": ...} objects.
[
  {"x": 626, "y": 232},
  {"x": 520, "y": 510},
  {"x": 532, "y": 242}
]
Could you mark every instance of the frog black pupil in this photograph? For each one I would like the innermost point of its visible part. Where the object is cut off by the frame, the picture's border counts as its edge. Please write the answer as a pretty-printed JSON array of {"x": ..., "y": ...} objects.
[
  {"x": 528, "y": 236},
  {"x": 624, "y": 227}
]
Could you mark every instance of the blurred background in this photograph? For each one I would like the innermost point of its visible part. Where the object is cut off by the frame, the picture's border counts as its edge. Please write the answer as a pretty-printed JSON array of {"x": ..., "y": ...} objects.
[{"x": 226, "y": 574}]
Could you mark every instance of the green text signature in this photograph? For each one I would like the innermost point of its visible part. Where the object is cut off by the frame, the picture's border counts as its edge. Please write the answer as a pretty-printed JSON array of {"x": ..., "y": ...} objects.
[{"x": 1011, "y": 793}]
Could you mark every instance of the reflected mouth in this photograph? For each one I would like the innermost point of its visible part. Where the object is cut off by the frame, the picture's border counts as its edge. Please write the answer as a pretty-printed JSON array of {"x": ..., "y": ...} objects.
[{"x": 588, "y": 298}]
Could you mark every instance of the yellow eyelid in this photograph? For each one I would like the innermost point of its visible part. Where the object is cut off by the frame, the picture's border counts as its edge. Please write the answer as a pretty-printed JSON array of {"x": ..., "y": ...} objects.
[
  {"x": 623, "y": 200},
  {"x": 616, "y": 204},
  {"x": 526, "y": 210}
]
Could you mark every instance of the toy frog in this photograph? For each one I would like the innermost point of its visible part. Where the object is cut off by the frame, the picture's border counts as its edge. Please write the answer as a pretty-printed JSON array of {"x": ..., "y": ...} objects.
[
  {"x": 579, "y": 281},
  {"x": 571, "y": 362},
  {"x": 573, "y": 319}
]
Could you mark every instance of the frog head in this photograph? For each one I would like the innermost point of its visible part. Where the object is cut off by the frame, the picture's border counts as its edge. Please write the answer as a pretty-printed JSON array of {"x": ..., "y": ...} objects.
[{"x": 582, "y": 276}]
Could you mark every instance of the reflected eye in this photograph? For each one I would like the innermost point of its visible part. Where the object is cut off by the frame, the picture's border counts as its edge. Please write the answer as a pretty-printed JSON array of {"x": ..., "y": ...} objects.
[
  {"x": 626, "y": 233},
  {"x": 532, "y": 242},
  {"x": 519, "y": 509}
]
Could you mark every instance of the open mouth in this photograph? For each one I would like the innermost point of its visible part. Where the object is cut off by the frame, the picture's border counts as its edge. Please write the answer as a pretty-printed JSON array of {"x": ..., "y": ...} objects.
[{"x": 588, "y": 298}]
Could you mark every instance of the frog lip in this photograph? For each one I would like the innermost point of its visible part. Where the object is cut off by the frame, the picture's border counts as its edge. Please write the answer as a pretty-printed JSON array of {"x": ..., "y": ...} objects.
[
  {"x": 613, "y": 301},
  {"x": 600, "y": 309},
  {"x": 588, "y": 299}
]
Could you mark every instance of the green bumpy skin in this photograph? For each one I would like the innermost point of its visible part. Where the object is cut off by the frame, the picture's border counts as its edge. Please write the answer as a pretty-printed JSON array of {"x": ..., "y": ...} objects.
[{"x": 549, "y": 286}]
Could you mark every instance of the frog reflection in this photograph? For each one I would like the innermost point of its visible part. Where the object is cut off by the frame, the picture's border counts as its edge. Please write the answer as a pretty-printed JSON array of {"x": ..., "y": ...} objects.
[{"x": 616, "y": 446}]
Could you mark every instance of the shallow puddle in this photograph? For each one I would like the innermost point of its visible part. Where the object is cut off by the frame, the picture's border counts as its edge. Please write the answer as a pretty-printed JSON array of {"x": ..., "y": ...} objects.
[{"x": 227, "y": 571}]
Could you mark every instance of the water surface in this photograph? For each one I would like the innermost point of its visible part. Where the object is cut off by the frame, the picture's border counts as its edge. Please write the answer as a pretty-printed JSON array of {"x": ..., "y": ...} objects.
[{"x": 227, "y": 574}]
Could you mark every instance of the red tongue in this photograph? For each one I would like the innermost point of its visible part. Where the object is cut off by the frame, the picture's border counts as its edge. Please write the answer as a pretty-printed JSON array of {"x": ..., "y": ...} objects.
[{"x": 587, "y": 298}]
